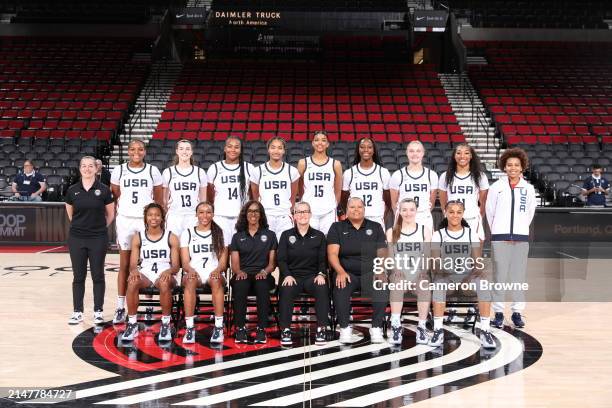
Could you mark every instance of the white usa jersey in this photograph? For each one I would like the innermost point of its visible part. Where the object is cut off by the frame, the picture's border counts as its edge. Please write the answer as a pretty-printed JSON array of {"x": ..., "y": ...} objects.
[
  {"x": 465, "y": 190},
  {"x": 275, "y": 188},
  {"x": 155, "y": 255},
  {"x": 225, "y": 179},
  {"x": 455, "y": 246},
  {"x": 136, "y": 188},
  {"x": 184, "y": 188},
  {"x": 417, "y": 187},
  {"x": 319, "y": 186},
  {"x": 411, "y": 244},
  {"x": 369, "y": 186},
  {"x": 202, "y": 256}
]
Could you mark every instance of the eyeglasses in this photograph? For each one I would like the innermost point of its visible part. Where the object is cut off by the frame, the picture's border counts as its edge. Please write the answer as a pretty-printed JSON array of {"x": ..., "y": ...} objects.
[
  {"x": 253, "y": 211},
  {"x": 301, "y": 212}
]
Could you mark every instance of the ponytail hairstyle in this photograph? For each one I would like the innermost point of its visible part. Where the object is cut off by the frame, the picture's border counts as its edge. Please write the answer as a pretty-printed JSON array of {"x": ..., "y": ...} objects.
[
  {"x": 397, "y": 227},
  {"x": 357, "y": 156},
  {"x": 175, "y": 161},
  {"x": 215, "y": 230},
  {"x": 150, "y": 206},
  {"x": 444, "y": 223},
  {"x": 241, "y": 176},
  {"x": 475, "y": 166}
]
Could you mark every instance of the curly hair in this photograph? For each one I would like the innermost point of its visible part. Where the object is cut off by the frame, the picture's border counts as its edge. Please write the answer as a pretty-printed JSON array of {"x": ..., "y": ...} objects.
[
  {"x": 215, "y": 230},
  {"x": 475, "y": 166},
  {"x": 515, "y": 152},
  {"x": 150, "y": 206},
  {"x": 243, "y": 224}
]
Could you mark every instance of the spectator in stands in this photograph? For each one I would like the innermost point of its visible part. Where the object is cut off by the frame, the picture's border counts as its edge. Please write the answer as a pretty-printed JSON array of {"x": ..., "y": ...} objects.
[
  {"x": 29, "y": 184},
  {"x": 102, "y": 173},
  {"x": 596, "y": 188}
]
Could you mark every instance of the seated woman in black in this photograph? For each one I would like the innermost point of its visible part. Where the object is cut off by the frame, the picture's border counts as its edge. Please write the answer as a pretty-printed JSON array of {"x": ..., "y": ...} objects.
[
  {"x": 253, "y": 258},
  {"x": 302, "y": 263}
]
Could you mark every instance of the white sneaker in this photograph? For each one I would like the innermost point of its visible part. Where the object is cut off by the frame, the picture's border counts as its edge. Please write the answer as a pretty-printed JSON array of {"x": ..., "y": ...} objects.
[
  {"x": 437, "y": 339},
  {"x": 119, "y": 316},
  {"x": 75, "y": 318},
  {"x": 98, "y": 318},
  {"x": 131, "y": 331},
  {"x": 421, "y": 336},
  {"x": 217, "y": 335},
  {"x": 376, "y": 335},
  {"x": 395, "y": 335},
  {"x": 165, "y": 332},
  {"x": 346, "y": 335},
  {"x": 189, "y": 336},
  {"x": 486, "y": 340}
]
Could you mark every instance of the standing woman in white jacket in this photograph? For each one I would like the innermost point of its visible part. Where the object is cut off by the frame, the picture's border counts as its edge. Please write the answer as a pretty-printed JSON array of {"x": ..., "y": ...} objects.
[{"x": 510, "y": 207}]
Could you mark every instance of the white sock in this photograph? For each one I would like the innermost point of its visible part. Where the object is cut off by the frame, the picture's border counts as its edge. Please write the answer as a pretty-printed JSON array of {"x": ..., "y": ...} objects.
[
  {"x": 438, "y": 322},
  {"x": 132, "y": 319},
  {"x": 396, "y": 319},
  {"x": 485, "y": 323},
  {"x": 218, "y": 321},
  {"x": 423, "y": 324},
  {"x": 165, "y": 319},
  {"x": 120, "y": 302},
  {"x": 189, "y": 321}
]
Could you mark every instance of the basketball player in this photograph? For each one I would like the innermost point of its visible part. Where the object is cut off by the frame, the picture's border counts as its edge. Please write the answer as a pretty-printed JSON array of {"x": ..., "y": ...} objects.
[
  {"x": 465, "y": 181},
  {"x": 510, "y": 210},
  {"x": 417, "y": 182},
  {"x": 228, "y": 186},
  {"x": 154, "y": 261},
  {"x": 320, "y": 183},
  {"x": 409, "y": 238},
  {"x": 275, "y": 184},
  {"x": 456, "y": 242},
  {"x": 204, "y": 260},
  {"x": 368, "y": 180},
  {"x": 184, "y": 187},
  {"x": 134, "y": 185}
]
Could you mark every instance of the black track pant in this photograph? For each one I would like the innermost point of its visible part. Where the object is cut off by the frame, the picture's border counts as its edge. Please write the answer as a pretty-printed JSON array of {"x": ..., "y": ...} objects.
[
  {"x": 82, "y": 250},
  {"x": 261, "y": 288},
  {"x": 342, "y": 300},
  {"x": 289, "y": 293}
]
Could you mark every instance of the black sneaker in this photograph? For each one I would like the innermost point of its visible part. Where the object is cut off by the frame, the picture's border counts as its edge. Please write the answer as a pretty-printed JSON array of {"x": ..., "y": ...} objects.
[
  {"x": 241, "y": 335},
  {"x": 470, "y": 316},
  {"x": 498, "y": 321},
  {"x": 285, "y": 337},
  {"x": 320, "y": 337},
  {"x": 260, "y": 336},
  {"x": 517, "y": 320}
]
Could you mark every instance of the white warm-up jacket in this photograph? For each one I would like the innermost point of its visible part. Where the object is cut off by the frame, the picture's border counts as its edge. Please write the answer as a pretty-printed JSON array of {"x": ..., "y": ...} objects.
[{"x": 510, "y": 211}]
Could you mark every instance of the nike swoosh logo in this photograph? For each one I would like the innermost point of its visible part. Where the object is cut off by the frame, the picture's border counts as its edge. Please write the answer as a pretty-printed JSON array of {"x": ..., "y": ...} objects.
[
  {"x": 77, "y": 193},
  {"x": 345, "y": 233},
  {"x": 420, "y": 18},
  {"x": 242, "y": 239},
  {"x": 180, "y": 15}
]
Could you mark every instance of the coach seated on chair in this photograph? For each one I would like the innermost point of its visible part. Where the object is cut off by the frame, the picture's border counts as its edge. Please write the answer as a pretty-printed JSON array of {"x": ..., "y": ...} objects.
[
  {"x": 352, "y": 245},
  {"x": 29, "y": 184},
  {"x": 302, "y": 264},
  {"x": 253, "y": 258}
]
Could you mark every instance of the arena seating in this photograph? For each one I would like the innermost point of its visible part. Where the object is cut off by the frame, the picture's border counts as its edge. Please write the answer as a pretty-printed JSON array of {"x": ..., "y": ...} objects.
[
  {"x": 60, "y": 95},
  {"x": 80, "y": 12},
  {"x": 534, "y": 14},
  {"x": 256, "y": 101},
  {"x": 553, "y": 99}
]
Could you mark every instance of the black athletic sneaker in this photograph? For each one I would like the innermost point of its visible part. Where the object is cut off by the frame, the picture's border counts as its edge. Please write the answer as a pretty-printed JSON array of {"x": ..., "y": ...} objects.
[
  {"x": 241, "y": 335},
  {"x": 498, "y": 321},
  {"x": 517, "y": 320},
  {"x": 320, "y": 337},
  {"x": 285, "y": 337},
  {"x": 260, "y": 336},
  {"x": 470, "y": 316}
]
